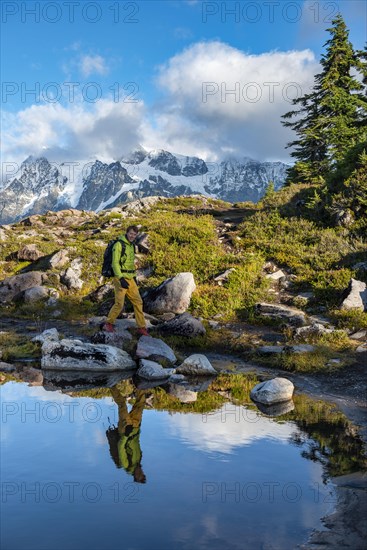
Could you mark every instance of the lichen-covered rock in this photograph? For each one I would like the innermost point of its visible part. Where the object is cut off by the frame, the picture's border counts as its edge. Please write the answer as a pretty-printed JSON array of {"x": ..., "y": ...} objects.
[
  {"x": 291, "y": 316},
  {"x": 183, "y": 325},
  {"x": 273, "y": 391},
  {"x": 50, "y": 334},
  {"x": 173, "y": 295},
  {"x": 70, "y": 354}
]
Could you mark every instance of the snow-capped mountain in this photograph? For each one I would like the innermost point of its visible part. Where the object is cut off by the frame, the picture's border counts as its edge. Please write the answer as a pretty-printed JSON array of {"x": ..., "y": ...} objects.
[{"x": 95, "y": 184}]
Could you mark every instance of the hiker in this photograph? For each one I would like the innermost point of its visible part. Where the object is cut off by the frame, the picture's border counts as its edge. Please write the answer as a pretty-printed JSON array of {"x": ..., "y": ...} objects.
[
  {"x": 124, "y": 440},
  {"x": 124, "y": 281}
]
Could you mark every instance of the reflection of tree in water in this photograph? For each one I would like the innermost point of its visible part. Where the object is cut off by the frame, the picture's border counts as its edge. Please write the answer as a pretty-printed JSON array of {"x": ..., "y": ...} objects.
[
  {"x": 124, "y": 439},
  {"x": 328, "y": 437}
]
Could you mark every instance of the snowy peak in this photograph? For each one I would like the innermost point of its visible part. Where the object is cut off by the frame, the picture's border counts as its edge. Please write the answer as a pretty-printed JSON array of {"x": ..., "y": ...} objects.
[{"x": 96, "y": 184}]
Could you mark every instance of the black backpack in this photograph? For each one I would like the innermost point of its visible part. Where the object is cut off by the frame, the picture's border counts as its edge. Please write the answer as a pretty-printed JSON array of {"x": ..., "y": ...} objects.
[{"x": 107, "y": 270}]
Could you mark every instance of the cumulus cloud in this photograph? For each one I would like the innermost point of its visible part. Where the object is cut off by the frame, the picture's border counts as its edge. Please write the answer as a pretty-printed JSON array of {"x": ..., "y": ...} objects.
[
  {"x": 93, "y": 64},
  {"x": 215, "y": 101},
  {"x": 222, "y": 99},
  {"x": 73, "y": 132}
]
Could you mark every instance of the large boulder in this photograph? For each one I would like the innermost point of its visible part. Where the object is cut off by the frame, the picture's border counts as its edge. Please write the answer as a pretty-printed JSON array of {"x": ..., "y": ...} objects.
[
  {"x": 173, "y": 295},
  {"x": 35, "y": 294},
  {"x": 183, "y": 325},
  {"x": 29, "y": 253},
  {"x": 273, "y": 391},
  {"x": 356, "y": 296},
  {"x": 291, "y": 316},
  {"x": 70, "y": 354},
  {"x": 11, "y": 286},
  {"x": 155, "y": 350},
  {"x": 196, "y": 365}
]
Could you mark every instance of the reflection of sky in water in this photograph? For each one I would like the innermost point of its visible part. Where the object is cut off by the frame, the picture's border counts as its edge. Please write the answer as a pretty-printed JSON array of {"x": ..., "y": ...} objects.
[
  {"x": 208, "y": 479},
  {"x": 226, "y": 429}
]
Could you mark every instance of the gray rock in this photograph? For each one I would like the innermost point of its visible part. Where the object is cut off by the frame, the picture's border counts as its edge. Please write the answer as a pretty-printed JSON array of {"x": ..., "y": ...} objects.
[
  {"x": 29, "y": 252},
  {"x": 6, "y": 367},
  {"x": 101, "y": 293},
  {"x": 50, "y": 334},
  {"x": 3, "y": 235},
  {"x": 58, "y": 259},
  {"x": 11, "y": 286},
  {"x": 316, "y": 329},
  {"x": 150, "y": 370},
  {"x": 173, "y": 295},
  {"x": 276, "y": 276},
  {"x": 70, "y": 278},
  {"x": 70, "y": 354},
  {"x": 118, "y": 338},
  {"x": 35, "y": 294},
  {"x": 183, "y": 325},
  {"x": 155, "y": 350},
  {"x": 356, "y": 296},
  {"x": 273, "y": 391},
  {"x": 174, "y": 378},
  {"x": 142, "y": 242},
  {"x": 196, "y": 364},
  {"x": 360, "y": 335},
  {"x": 292, "y": 316},
  {"x": 302, "y": 348}
]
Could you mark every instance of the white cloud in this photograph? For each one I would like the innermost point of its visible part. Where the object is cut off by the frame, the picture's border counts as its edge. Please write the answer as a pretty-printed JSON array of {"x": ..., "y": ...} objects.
[
  {"x": 216, "y": 101},
  {"x": 227, "y": 429},
  {"x": 93, "y": 64},
  {"x": 218, "y": 97},
  {"x": 73, "y": 132}
]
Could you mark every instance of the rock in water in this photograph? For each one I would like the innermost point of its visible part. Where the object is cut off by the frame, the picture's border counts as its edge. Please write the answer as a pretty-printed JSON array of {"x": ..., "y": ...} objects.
[
  {"x": 150, "y": 370},
  {"x": 155, "y": 350},
  {"x": 196, "y": 364},
  {"x": 273, "y": 391}
]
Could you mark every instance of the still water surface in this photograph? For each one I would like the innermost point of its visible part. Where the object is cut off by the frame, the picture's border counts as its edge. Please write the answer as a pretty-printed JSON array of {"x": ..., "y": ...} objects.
[{"x": 115, "y": 473}]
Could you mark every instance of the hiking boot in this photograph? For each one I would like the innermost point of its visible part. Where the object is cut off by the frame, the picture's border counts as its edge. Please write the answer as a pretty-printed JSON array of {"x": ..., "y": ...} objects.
[
  {"x": 143, "y": 331},
  {"x": 109, "y": 327}
]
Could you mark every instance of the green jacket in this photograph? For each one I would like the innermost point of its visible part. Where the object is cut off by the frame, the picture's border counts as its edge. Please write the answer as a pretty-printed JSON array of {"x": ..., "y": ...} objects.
[{"x": 123, "y": 265}]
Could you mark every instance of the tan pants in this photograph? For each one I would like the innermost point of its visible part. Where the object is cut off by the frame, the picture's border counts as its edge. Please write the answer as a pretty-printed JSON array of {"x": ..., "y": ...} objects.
[{"x": 133, "y": 294}]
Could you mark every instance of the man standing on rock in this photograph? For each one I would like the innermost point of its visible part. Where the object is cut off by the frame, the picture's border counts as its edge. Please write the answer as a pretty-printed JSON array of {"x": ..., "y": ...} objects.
[{"x": 124, "y": 281}]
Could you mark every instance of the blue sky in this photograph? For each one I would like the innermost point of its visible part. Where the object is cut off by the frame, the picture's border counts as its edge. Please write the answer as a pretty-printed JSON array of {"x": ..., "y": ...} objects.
[{"x": 83, "y": 79}]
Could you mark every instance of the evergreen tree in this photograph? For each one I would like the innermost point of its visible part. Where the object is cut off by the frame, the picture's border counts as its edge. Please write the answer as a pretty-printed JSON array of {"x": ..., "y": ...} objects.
[{"x": 328, "y": 121}]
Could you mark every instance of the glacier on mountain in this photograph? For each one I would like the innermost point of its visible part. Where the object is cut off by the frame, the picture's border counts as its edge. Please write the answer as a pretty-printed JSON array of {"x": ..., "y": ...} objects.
[{"x": 98, "y": 183}]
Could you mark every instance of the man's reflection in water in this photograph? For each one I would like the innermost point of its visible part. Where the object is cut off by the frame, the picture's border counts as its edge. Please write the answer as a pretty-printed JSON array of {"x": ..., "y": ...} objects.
[{"x": 124, "y": 440}]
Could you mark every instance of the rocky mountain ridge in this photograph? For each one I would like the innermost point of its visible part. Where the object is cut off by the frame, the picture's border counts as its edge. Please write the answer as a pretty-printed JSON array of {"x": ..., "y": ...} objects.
[{"x": 95, "y": 184}]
